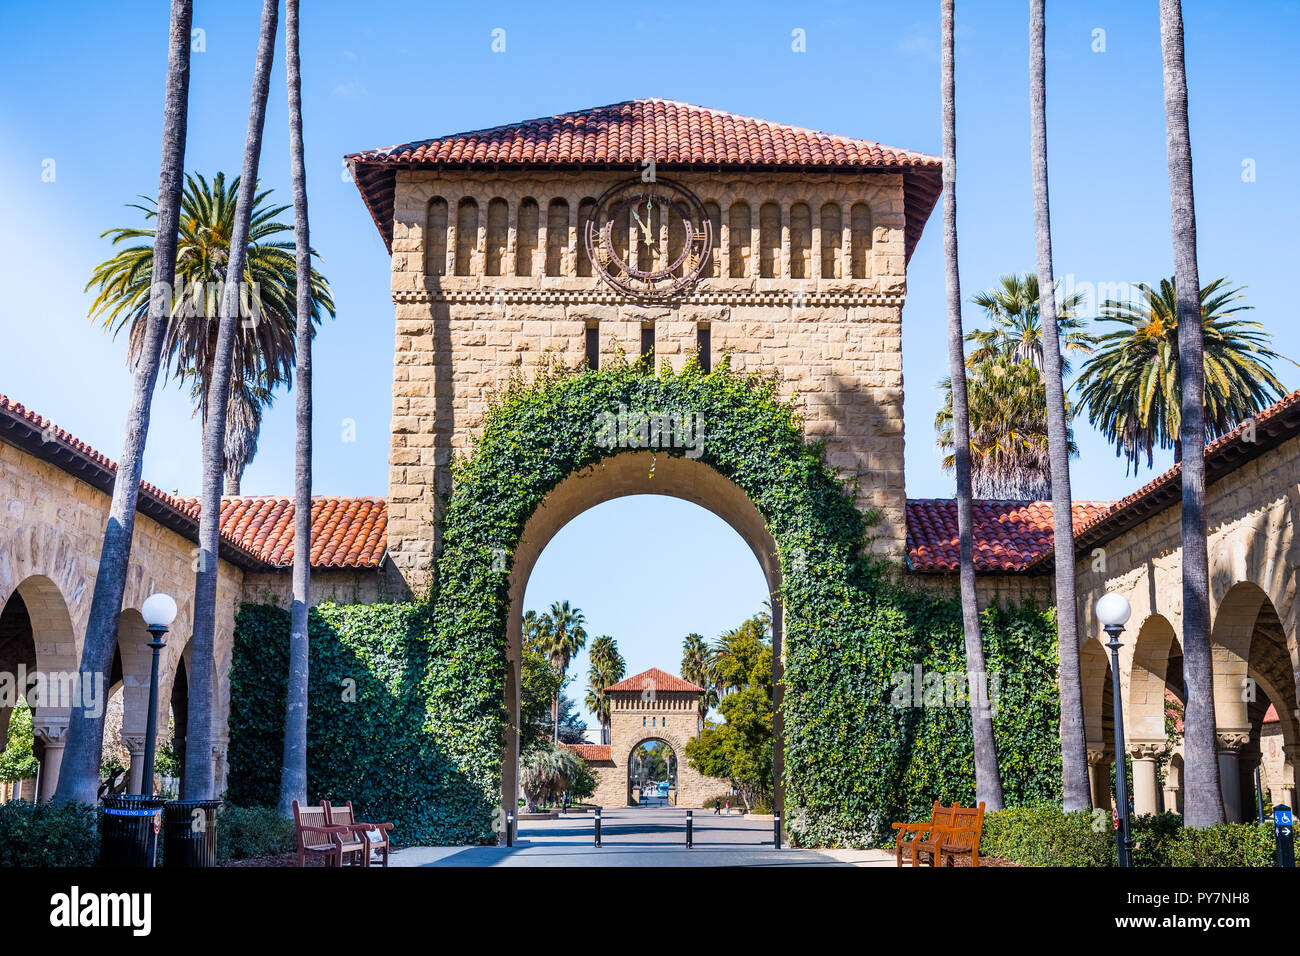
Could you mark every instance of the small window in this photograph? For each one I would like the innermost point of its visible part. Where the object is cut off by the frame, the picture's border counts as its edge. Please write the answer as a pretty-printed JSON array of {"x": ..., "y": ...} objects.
[
  {"x": 466, "y": 237},
  {"x": 526, "y": 237},
  {"x": 435, "y": 238},
  {"x": 860, "y": 225},
  {"x": 648, "y": 346},
  {"x": 643, "y": 721},
  {"x": 593, "y": 347},
  {"x": 769, "y": 241},
  {"x": 738, "y": 265},
  {"x": 704, "y": 348},
  {"x": 832, "y": 241}
]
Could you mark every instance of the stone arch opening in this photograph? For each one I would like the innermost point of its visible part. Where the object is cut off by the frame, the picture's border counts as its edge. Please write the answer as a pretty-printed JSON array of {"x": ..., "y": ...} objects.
[
  {"x": 1254, "y": 694},
  {"x": 644, "y": 773},
  {"x": 1155, "y": 672},
  {"x": 622, "y": 475}
]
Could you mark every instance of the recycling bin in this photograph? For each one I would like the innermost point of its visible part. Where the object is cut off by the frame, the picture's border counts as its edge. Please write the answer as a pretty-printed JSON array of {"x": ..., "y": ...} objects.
[{"x": 128, "y": 830}]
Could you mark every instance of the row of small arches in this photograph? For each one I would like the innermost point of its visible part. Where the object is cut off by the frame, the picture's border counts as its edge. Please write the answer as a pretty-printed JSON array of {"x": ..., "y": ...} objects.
[{"x": 469, "y": 241}]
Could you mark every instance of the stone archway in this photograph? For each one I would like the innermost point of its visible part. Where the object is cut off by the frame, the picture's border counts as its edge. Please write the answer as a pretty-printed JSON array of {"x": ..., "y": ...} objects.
[
  {"x": 678, "y": 758},
  {"x": 637, "y": 473}
]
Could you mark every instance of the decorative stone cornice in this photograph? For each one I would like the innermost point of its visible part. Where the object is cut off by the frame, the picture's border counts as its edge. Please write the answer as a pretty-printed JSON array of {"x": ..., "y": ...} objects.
[
  {"x": 1146, "y": 750},
  {"x": 1096, "y": 757},
  {"x": 790, "y": 298},
  {"x": 133, "y": 743},
  {"x": 51, "y": 735}
]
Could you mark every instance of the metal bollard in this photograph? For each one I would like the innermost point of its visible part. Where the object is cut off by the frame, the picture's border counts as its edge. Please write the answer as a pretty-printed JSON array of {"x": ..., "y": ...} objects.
[
  {"x": 690, "y": 823},
  {"x": 776, "y": 829},
  {"x": 510, "y": 829},
  {"x": 598, "y": 826},
  {"x": 1284, "y": 832}
]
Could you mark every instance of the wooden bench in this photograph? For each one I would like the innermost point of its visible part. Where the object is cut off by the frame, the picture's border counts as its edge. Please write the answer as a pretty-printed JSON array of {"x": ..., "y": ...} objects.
[
  {"x": 950, "y": 832},
  {"x": 315, "y": 834},
  {"x": 373, "y": 836}
]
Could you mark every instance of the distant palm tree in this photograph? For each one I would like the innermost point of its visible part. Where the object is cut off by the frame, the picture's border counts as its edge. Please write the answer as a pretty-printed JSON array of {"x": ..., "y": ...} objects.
[
  {"x": 1017, "y": 331},
  {"x": 243, "y": 425},
  {"x": 988, "y": 783},
  {"x": 264, "y": 341},
  {"x": 79, "y": 773},
  {"x": 1008, "y": 426},
  {"x": 545, "y": 773},
  {"x": 1203, "y": 803},
  {"x": 698, "y": 668},
  {"x": 565, "y": 636},
  {"x": 1130, "y": 387},
  {"x": 607, "y": 668}
]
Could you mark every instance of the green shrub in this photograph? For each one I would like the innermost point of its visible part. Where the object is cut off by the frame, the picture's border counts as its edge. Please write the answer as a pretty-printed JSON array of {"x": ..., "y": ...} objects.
[
  {"x": 1229, "y": 844},
  {"x": 762, "y": 804},
  {"x": 1046, "y": 836},
  {"x": 247, "y": 832},
  {"x": 48, "y": 834}
]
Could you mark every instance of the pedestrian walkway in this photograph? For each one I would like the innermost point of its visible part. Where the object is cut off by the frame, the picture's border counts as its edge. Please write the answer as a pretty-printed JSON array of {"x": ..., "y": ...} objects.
[{"x": 640, "y": 836}]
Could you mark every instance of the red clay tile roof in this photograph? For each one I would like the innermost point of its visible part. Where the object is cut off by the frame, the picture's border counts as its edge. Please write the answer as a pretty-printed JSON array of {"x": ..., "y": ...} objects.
[
  {"x": 657, "y": 680},
  {"x": 675, "y": 135},
  {"x": 1270, "y": 715},
  {"x": 255, "y": 532},
  {"x": 1270, "y": 428},
  {"x": 590, "y": 752},
  {"x": 345, "y": 532},
  {"x": 1009, "y": 535}
]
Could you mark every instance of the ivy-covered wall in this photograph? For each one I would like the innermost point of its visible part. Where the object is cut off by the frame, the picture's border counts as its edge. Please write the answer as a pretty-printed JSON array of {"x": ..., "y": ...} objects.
[{"x": 426, "y": 748}]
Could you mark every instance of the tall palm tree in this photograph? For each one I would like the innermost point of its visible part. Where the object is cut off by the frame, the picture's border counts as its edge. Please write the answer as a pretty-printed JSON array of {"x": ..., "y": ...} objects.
[
  {"x": 293, "y": 774},
  {"x": 697, "y": 667},
  {"x": 1074, "y": 759},
  {"x": 1203, "y": 803},
  {"x": 199, "y": 771},
  {"x": 1006, "y": 415},
  {"x": 264, "y": 341},
  {"x": 1017, "y": 331},
  {"x": 988, "y": 785},
  {"x": 607, "y": 667},
  {"x": 1130, "y": 387},
  {"x": 565, "y": 636},
  {"x": 243, "y": 425},
  {"x": 79, "y": 773}
]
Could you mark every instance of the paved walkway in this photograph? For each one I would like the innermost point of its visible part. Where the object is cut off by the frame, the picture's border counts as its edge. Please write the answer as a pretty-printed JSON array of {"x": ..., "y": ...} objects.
[{"x": 640, "y": 836}]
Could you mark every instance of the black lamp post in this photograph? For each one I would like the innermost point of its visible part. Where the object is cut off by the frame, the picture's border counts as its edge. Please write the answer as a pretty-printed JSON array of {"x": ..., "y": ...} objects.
[
  {"x": 159, "y": 610},
  {"x": 1113, "y": 611}
]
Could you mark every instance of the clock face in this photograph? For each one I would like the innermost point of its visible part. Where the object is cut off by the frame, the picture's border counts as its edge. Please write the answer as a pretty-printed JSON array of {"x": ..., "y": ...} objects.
[{"x": 649, "y": 240}]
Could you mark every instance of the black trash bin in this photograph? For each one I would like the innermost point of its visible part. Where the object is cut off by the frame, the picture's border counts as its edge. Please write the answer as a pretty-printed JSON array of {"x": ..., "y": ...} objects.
[
  {"x": 190, "y": 832},
  {"x": 128, "y": 830}
]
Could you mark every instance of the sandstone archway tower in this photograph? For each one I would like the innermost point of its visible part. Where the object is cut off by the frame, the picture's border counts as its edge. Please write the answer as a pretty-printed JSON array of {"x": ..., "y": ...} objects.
[{"x": 807, "y": 279}]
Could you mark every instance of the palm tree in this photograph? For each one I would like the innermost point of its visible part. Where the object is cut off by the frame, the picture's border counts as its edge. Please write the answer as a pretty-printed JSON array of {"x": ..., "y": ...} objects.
[
  {"x": 988, "y": 785},
  {"x": 1007, "y": 423},
  {"x": 293, "y": 774},
  {"x": 79, "y": 773},
  {"x": 199, "y": 776},
  {"x": 607, "y": 668},
  {"x": 1017, "y": 331},
  {"x": 697, "y": 667},
  {"x": 1130, "y": 388},
  {"x": 545, "y": 773},
  {"x": 243, "y": 424},
  {"x": 1203, "y": 803},
  {"x": 565, "y": 636},
  {"x": 1057, "y": 329},
  {"x": 265, "y": 343}
]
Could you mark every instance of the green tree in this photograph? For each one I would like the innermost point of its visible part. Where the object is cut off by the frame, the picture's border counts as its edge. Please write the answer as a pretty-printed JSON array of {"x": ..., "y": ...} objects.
[
  {"x": 545, "y": 773},
  {"x": 79, "y": 772},
  {"x": 698, "y": 668},
  {"x": 18, "y": 760},
  {"x": 739, "y": 748},
  {"x": 540, "y": 685},
  {"x": 1130, "y": 387},
  {"x": 607, "y": 668},
  {"x": 1018, "y": 329},
  {"x": 565, "y": 636}
]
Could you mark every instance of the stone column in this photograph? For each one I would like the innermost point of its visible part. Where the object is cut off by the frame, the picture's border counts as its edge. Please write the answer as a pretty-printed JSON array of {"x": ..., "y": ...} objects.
[
  {"x": 543, "y": 243},
  {"x": 1099, "y": 777},
  {"x": 134, "y": 744},
  {"x": 479, "y": 266},
  {"x": 53, "y": 737},
  {"x": 1144, "y": 776},
  {"x": 1230, "y": 743},
  {"x": 1173, "y": 788},
  {"x": 512, "y": 238},
  {"x": 783, "y": 271},
  {"x": 722, "y": 241},
  {"x": 815, "y": 237},
  {"x": 846, "y": 248}
]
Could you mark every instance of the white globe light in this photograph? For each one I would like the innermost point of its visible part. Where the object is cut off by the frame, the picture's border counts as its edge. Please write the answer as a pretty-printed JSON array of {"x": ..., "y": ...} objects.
[
  {"x": 1113, "y": 610},
  {"x": 158, "y": 610}
]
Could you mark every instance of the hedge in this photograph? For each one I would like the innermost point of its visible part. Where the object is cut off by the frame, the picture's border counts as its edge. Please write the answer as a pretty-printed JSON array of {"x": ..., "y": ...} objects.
[
  {"x": 48, "y": 834},
  {"x": 426, "y": 748},
  {"x": 1046, "y": 836}
]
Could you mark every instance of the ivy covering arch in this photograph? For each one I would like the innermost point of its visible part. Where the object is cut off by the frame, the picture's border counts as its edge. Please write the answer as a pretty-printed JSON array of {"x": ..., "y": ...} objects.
[{"x": 857, "y": 754}]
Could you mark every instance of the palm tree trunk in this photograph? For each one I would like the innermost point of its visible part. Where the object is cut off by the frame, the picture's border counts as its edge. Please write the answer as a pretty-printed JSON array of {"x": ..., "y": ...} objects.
[
  {"x": 1074, "y": 761},
  {"x": 79, "y": 773},
  {"x": 234, "y": 476},
  {"x": 1203, "y": 804},
  {"x": 988, "y": 784},
  {"x": 293, "y": 775},
  {"x": 199, "y": 770},
  {"x": 555, "y": 719}
]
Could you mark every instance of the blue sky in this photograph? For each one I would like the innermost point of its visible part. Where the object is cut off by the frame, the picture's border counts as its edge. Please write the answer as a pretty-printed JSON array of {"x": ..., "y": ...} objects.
[{"x": 83, "y": 89}]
